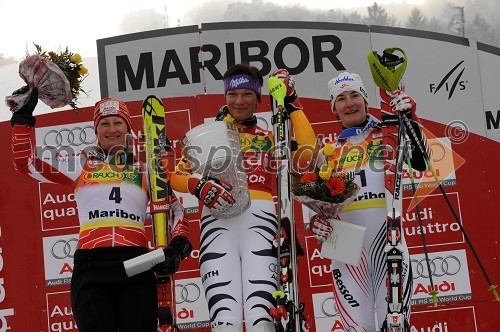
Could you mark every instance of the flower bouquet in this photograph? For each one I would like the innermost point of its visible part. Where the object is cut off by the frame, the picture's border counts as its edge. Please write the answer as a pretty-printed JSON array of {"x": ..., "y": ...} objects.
[
  {"x": 327, "y": 192},
  {"x": 323, "y": 190},
  {"x": 56, "y": 75},
  {"x": 325, "y": 197}
]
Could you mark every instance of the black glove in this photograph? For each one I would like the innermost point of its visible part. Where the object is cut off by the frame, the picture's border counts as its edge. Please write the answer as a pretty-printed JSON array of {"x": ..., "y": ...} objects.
[
  {"x": 178, "y": 249},
  {"x": 24, "y": 116}
]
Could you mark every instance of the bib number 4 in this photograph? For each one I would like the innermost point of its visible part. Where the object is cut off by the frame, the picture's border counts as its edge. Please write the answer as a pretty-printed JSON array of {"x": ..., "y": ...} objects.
[{"x": 115, "y": 195}]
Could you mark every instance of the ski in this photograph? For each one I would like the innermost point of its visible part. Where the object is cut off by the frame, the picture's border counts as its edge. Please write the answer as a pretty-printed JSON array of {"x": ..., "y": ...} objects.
[
  {"x": 288, "y": 313},
  {"x": 387, "y": 77},
  {"x": 393, "y": 167},
  {"x": 156, "y": 144}
]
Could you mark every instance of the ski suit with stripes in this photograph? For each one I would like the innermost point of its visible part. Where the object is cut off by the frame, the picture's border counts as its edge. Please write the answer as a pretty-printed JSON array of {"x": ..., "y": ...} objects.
[
  {"x": 360, "y": 291},
  {"x": 237, "y": 263}
]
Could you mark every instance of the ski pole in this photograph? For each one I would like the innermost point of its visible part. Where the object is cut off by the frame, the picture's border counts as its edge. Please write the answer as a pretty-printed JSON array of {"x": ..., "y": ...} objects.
[
  {"x": 492, "y": 287},
  {"x": 433, "y": 291}
]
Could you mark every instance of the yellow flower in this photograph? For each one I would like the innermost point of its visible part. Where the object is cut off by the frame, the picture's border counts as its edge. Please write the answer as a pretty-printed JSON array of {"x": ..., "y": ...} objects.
[
  {"x": 326, "y": 170},
  {"x": 82, "y": 70},
  {"x": 75, "y": 58},
  {"x": 328, "y": 150},
  {"x": 71, "y": 65}
]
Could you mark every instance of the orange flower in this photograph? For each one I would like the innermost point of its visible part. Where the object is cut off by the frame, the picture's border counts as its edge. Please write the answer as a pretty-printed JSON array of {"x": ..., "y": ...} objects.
[
  {"x": 336, "y": 186},
  {"x": 308, "y": 177}
]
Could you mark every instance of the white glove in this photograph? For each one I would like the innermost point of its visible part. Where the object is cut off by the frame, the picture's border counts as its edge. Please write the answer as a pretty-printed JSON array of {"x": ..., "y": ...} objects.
[
  {"x": 401, "y": 102},
  {"x": 321, "y": 227}
]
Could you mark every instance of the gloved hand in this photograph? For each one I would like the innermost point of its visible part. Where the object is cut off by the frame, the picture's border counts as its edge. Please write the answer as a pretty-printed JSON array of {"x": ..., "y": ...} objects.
[
  {"x": 401, "y": 102},
  {"x": 320, "y": 227},
  {"x": 292, "y": 102},
  {"x": 212, "y": 192},
  {"x": 178, "y": 249},
  {"x": 24, "y": 116},
  {"x": 167, "y": 162}
]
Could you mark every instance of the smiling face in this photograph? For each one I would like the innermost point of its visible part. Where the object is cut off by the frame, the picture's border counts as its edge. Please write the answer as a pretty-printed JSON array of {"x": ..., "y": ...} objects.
[
  {"x": 111, "y": 131},
  {"x": 242, "y": 103},
  {"x": 351, "y": 108}
]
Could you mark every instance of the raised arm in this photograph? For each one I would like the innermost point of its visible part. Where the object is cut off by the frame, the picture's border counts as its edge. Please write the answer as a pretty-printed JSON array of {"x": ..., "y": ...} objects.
[{"x": 24, "y": 158}]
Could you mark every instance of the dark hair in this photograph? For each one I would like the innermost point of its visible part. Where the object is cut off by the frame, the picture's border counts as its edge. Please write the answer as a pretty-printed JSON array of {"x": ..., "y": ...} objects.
[{"x": 244, "y": 68}]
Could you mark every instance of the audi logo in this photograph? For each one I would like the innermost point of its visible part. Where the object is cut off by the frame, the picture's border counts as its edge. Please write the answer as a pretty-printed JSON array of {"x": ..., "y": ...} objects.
[
  {"x": 69, "y": 137},
  {"x": 273, "y": 268},
  {"x": 188, "y": 293},
  {"x": 440, "y": 266},
  {"x": 262, "y": 123},
  {"x": 329, "y": 307},
  {"x": 64, "y": 248},
  {"x": 437, "y": 151}
]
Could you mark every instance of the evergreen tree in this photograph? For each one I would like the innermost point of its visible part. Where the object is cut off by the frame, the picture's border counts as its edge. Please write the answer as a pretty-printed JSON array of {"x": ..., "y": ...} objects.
[
  {"x": 416, "y": 20},
  {"x": 480, "y": 30},
  {"x": 436, "y": 25},
  {"x": 378, "y": 16},
  {"x": 354, "y": 18},
  {"x": 330, "y": 16}
]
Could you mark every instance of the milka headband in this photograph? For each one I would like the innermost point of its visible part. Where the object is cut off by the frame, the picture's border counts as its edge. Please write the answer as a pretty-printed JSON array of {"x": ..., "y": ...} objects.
[{"x": 242, "y": 81}]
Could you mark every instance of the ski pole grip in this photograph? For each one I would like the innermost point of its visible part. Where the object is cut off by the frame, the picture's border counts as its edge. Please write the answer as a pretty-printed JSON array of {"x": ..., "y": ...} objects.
[
  {"x": 144, "y": 262},
  {"x": 277, "y": 89}
]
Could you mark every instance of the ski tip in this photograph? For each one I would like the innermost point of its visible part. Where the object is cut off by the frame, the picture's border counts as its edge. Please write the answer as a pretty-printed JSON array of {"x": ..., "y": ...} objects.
[{"x": 151, "y": 98}]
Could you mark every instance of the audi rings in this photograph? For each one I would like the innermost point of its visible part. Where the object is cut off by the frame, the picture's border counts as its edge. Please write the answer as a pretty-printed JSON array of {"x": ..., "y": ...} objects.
[
  {"x": 440, "y": 266},
  {"x": 262, "y": 122},
  {"x": 188, "y": 293},
  {"x": 69, "y": 137},
  {"x": 64, "y": 248},
  {"x": 329, "y": 307}
]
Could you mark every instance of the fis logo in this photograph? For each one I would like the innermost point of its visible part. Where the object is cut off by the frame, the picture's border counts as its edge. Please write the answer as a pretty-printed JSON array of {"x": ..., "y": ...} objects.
[{"x": 450, "y": 82}]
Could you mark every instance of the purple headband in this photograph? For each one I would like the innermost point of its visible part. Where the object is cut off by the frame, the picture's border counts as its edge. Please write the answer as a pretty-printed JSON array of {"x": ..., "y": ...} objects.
[{"x": 242, "y": 81}]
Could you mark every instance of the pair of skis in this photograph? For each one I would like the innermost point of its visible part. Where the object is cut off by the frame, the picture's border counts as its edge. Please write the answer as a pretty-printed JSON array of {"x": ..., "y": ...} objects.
[
  {"x": 288, "y": 313},
  {"x": 157, "y": 144},
  {"x": 393, "y": 167},
  {"x": 387, "y": 71}
]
